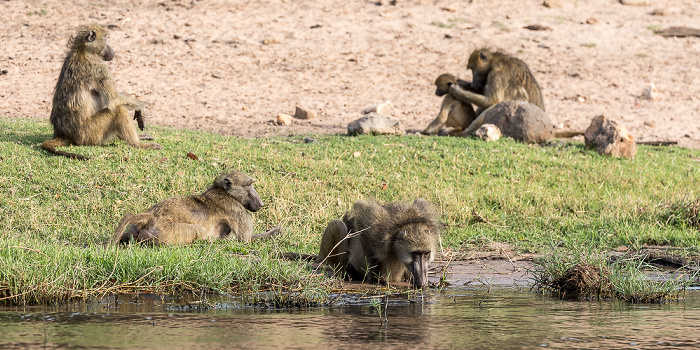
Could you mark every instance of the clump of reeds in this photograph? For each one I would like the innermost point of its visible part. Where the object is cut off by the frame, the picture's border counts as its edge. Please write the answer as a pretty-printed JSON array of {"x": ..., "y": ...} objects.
[{"x": 594, "y": 276}]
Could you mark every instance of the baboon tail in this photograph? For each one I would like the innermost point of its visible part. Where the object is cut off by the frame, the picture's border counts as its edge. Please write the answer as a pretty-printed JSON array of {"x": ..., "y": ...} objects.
[
  {"x": 50, "y": 146},
  {"x": 567, "y": 134}
]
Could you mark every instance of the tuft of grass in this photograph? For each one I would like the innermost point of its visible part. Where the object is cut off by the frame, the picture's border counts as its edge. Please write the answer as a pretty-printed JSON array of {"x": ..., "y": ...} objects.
[
  {"x": 588, "y": 273},
  {"x": 655, "y": 28},
  {"x": 501, "y": 26},
  {"x": 61, "y": 212}
]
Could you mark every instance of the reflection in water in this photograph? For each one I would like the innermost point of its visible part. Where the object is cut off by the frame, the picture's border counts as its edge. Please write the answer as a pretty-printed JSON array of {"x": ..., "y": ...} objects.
[{"x": 506, "y": 319}]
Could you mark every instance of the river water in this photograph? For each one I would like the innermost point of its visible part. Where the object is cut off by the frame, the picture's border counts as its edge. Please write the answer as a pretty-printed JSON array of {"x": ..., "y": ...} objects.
[{"x": 507, "y": 318}]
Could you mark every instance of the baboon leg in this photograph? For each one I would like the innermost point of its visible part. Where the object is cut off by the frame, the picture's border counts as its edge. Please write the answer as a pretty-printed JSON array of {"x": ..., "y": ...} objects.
[
  {"x": 334, "y": 245},
  {"x": 126, "y": 130},
  {"x": 473, "y": 126},
  {"x": 441, "y": 118},
  {"x": 135, "y": 223},
  {"x": 272, "y": 232},
  {"x": 50, "y": 146}
]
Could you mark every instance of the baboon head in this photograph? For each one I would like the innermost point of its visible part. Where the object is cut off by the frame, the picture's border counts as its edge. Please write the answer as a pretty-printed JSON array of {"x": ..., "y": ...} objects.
[
  {"x": 240, "y": 186},
  {"x": 443, "y": 83},
  {"x": 92, "y": 39},
  {"x": 416, "y": 242},
  {"x": 480, "y": 65}
]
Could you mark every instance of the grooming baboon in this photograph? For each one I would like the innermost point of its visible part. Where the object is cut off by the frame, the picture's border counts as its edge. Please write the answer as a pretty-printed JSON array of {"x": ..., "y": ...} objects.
[
  {"x": 385, "y": 243},
  {"x": 87, "y": 110},
  {"x": 218, "y": 213},
  {"x": 500, "y": 77},
  {"x": 454, "y": 115}
]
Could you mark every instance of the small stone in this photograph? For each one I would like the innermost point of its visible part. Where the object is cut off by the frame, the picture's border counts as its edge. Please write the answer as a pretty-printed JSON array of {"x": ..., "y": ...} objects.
[
  {"x": 284, "y": 119},
  {"x": 488, "y": 132},
  {"x": 552, "y": 4},
  {"x": 579, "y": 99},
  {"x": 270, "y": 41},
  {"x": 537, "y": 27},
  {"x": 384, "y": 108},
  {"x": 591, "y": 20},
  {"x": 649, "y": 93},
  {"x": 634, "y": 2},
  {"x": 658, "y": 12},
  {"x": 650, "y": 123},
  {"x": 304, "y": 113},
  {"x": 376, "y": 124}
]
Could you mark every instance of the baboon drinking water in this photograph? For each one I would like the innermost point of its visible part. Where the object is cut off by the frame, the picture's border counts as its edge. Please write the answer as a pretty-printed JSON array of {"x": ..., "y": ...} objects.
[
  {"x": 218, "y": 213},
  {"x": 388, "y": 243},
  {"x": 87, "y": 110}
]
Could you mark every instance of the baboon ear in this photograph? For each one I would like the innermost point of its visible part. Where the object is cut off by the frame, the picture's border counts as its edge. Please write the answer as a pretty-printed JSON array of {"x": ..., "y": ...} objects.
[
  {"x": 226, "y": 184},
  {"x": 92, "y": 36},
  {"x": 482, "y": 56}
]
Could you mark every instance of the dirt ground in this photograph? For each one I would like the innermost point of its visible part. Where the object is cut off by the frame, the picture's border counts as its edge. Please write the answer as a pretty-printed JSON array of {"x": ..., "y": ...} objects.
[{"x": 230, "y": 66}]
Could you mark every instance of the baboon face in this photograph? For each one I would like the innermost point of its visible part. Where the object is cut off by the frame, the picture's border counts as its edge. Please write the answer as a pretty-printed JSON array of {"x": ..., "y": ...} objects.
[
  {"x": 443, "y": 83},
  {"x": 480, "y": 65},
  {"x": 415, "y": 247},
  {"x": 94, "y": 39},
  {"x": 240, "y": 187}
]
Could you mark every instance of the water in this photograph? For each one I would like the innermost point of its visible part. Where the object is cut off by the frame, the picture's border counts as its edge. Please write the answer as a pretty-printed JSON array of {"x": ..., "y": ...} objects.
[{"x": 507, "y": 318}]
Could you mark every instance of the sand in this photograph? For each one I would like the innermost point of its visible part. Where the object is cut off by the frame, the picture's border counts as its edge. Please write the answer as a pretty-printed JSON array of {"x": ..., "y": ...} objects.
[{"x": 232, "y": 66}]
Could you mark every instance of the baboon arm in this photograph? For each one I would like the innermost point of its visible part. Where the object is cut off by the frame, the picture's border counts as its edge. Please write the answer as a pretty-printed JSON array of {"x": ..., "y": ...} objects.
[
  {"x": 129, "y": 102},
  {"x": 466, "y": 85},
  {"x": 272, "y": 232},
  {"x": 469, "y": 97}
]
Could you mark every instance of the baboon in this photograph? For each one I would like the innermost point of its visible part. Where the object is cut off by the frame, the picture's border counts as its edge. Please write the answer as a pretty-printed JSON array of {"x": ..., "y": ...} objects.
[
  {"x": 454, "y": 115},
  {"x": 218, "y": 213},
  {"x": 385, "y": 243},
  {"x": 496, "y": 77},
  {"x": 87, "y": 110}
]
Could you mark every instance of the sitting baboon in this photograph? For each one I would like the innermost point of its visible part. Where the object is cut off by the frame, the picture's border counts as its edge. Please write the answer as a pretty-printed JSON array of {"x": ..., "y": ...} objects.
[
  {"x": 501, "y": 77},
  {"x": 218, "y": 213},
  {"x": 388, "y": 243},
  {"x": 454, "y": 115},
  {"x": 87, "y": 110}
]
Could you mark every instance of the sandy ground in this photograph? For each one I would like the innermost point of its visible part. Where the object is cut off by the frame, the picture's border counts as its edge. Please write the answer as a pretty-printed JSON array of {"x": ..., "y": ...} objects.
[{"x": 232, "y": 66}]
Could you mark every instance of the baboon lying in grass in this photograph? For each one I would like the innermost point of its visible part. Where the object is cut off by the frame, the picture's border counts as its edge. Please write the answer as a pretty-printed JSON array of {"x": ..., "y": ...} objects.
[{"x": 218, "y": 213}]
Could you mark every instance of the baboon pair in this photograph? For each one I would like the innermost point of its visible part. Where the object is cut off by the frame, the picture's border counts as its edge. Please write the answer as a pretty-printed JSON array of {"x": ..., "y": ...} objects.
[
  {"x": 87, "y": 110},
  {"x": 496, "y": 77},
  {"x": 387, "y": 243}
]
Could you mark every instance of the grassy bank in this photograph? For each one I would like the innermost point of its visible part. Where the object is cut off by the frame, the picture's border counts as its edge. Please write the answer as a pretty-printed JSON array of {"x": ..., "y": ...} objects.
[{"x": 58, "y": 213}]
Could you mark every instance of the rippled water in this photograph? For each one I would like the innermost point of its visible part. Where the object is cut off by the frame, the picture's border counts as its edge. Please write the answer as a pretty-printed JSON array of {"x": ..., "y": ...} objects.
[{"x": 507, "y": 318}]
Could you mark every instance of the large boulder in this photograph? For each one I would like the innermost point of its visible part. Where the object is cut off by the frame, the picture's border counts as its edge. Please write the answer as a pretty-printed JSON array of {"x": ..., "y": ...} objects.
[
  {"x": 520, "y": 120},
  {"x": 376, "y": 124},
  {"x": 610, "y": 138}
]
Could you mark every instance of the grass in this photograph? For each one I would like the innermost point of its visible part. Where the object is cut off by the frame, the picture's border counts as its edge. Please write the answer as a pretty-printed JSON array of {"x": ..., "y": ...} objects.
[
  {"x": 591, "y": 274},
  {"x": 58, "y": 213}
]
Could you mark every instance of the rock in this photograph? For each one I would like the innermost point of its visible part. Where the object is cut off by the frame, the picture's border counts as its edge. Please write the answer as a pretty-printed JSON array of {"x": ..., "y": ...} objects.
[
  {"x": 552, "y": 4},
  {"x": 304, "y": 113},
  {"x": 385, "y": 108},
  {"x": 520, "y": 120},
  {"x": 658, "y": 12},
  {"x": 634, "y": 2},
  {"x": 488, "y": 132},
  {"x": 284, "y": 119},
  {"x": 537, "y": 27},
  {"x": 649, "y": 93},
  {"x": 591, "y": 21},
  {"x": 610, "y": 138},
  {"x": 376, "y": 124}
]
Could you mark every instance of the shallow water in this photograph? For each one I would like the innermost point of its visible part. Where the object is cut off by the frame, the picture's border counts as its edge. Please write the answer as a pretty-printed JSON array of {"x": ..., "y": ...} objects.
[{"x": 507, "y": 318}]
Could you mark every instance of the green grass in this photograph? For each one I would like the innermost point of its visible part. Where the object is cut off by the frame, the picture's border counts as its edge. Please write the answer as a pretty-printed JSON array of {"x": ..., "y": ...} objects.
[{"x": 60, "y": 212}]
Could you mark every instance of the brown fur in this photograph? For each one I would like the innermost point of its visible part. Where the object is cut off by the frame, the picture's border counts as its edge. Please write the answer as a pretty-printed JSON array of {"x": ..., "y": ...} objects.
[
  {"x": 218, "y": 213},
  {"x": 501, "y": 77},
  {"x": 385, "y": 243},
  {"x": 87, "y": 110},
  {"x": 454, "y": 115}
]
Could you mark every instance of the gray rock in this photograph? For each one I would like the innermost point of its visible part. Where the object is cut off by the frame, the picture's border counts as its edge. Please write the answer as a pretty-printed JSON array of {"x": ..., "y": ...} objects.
[
  {"x": 376, "y": 124},
  {"x": 520, "y": 120},
  {"x": 610, "y": 138}
]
